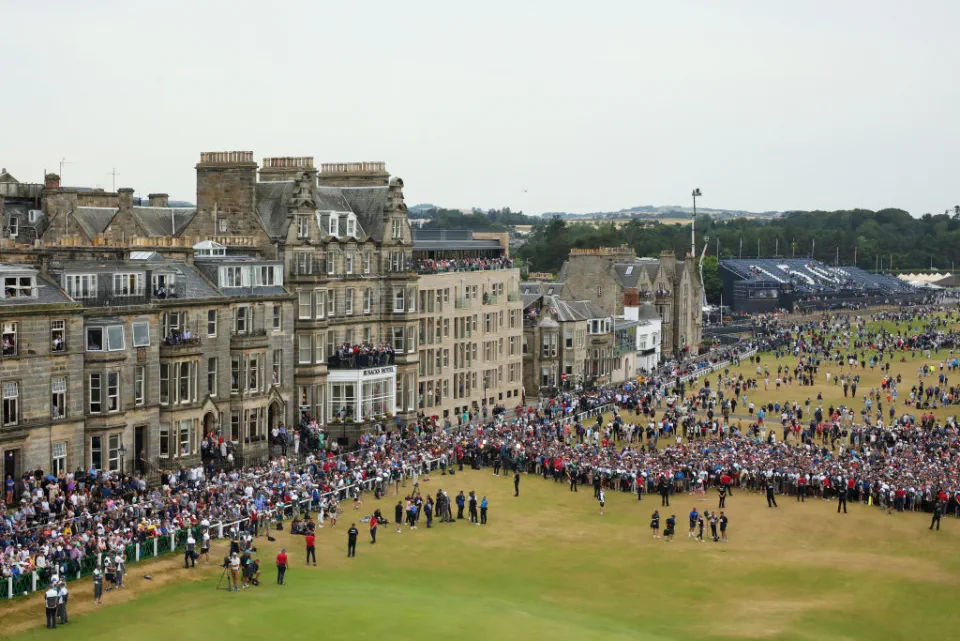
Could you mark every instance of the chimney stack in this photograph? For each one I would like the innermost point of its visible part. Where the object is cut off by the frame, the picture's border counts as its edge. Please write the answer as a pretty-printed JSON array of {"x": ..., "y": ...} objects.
[
  {"x": 51, "y": 181},
  {"x": 126, "y": 197},
  {"x": 159, "y": 200}
]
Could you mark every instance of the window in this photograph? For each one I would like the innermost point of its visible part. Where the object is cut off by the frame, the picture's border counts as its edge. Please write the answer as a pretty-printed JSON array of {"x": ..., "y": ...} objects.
[
  {"x": 302, "y": 230},
  {"x": 11, "y": 402},
  {"x": 568, "y": 340},
  {"x": 185, "y": 381},
  {"x": 96, "y": 452},
  {"x": 139, "y": 385},
  {"x": 305, "y": 349},
  {"x": 211, "y": 322},
  {"x": 235, "y": 374},
  {"x": 397, "y": 339},
  {"x": 58, "y": 401},
  {"x": 14, "y": 227},
  {"x": 163, "y": 285},
  {"x": 127, "y": 284},
  {"x": 366, "y": 262},
  {"x": 113, "y": 392},
  {"x": 212, "y": 376},
  {"x": 231, "y": 277},
  {"x": 113, "y": 452},
  {"x": 164, "y": 440},
  {"x": 58, "y": 336},
  {"x": 351, "y": 225},
  {"x": 396, "y": 261},
  {"x": 396, "y": 229},
  {"x": 334, "y": 225},
  {"x": 235, "y": 427},
  {"x": 223, "y": 226},
  {"x": 277, "y": 318},
  {"x": 242, "y": 318},
  {"x": 185, "y": 439},
  {"x": 342, "y": 399},
  {"x": 141, "y": 334},
  {"x": 331, "y": 263},
  {"x": 96, "y": 393},
  {"x": 348, "y": 263},
  {"x": 303, "y": 263},
  {"x": 398, "y": 300},
  {"x": 80, "y": 285},
  {"x": 318, "y": 348},
  {"x": 18, "y": 287},
  {"x": 348, "y": 301},
  {"x": 367, "y": 300},
  {"x": 320, "y": 298},
  {"x": 59, "y": 458},
  {"x": 94, "y": 339},
  {"x": 599, "y": 291},
  {"x": 10, "y": 343},
  {"x": 115, "y": 338},
  {"x": 305, "y": 308},
  {"x": 278, "y": 365},
  {"x": 253, "y": 373},
  {"x": 164, "y": 383},
  {"x": 331, "y": 303}
]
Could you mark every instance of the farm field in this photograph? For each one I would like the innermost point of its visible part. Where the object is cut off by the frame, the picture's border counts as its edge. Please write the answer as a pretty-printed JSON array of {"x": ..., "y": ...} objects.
[{"x": 549, "y": 566}]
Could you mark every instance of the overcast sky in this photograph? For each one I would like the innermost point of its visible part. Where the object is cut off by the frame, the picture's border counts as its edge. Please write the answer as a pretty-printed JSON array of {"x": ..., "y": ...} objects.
[{"x": 540, "y": 106}]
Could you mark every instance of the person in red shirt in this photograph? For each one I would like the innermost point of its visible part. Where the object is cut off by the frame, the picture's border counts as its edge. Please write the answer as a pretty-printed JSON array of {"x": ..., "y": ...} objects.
[
  {"x": 281, "y": 565},
  {"x": 311, "y": 550},
  {"x": 373, "y": 530}
]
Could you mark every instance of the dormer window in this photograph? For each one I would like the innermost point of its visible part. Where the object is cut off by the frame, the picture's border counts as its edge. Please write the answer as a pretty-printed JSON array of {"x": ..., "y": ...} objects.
[
  {"x": 14, "y": 226},
  {"x": 19, "y": 287},
  {"x": 351, "y": 225},
  {"x": 334, "y": 225},
  {"x": 302, "y": 230}
]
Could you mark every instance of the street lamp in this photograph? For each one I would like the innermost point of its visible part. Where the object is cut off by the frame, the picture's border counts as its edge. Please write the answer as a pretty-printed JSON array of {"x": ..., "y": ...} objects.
[
  {"x": 693, "y": 223},
  {"x": 123, "y": 453}
]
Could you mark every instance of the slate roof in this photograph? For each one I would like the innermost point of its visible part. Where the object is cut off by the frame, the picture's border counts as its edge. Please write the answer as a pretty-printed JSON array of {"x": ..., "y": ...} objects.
[
  {"x": 587, "y": 309},
  {"x": 155, "y": 221},
  {"x": 272, "y": 202},
  {"x": 48, "y": 293},
  {"x": 93, "y": 220},
  {"x": 6, "y": 177},
  {"x": 368, "y": 204}
]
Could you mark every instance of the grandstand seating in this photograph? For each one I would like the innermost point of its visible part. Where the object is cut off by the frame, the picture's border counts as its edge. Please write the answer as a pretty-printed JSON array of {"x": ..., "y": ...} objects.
[{"x": 812, "y": 277}]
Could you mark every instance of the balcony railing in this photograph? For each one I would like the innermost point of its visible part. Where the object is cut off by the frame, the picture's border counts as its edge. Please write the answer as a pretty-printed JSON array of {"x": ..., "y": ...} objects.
[{"x": 361, "y": 361}]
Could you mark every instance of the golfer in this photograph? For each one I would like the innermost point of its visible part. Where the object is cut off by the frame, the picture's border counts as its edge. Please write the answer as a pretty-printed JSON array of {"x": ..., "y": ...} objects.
[{"x": 281, "y": 566}]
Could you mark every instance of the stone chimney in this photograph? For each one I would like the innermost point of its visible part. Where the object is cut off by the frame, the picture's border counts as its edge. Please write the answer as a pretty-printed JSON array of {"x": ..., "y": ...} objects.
[
  {"x": 354, "y": 174},
  {"x": 159, "y": 200},
  {"x": 286, "y": 168},
  {"x": 631, "y": 297},
  {"x": 126, "y": 198},
  {"x": 51, "y": 181},
  {"x": 226, "y": 181}
]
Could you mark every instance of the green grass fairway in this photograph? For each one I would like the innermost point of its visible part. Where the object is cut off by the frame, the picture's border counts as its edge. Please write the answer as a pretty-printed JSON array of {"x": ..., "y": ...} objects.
[{"x": 547, "y": 566}]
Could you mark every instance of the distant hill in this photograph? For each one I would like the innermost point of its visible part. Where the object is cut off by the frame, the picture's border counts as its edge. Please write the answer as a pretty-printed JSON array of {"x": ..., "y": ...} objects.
[
  {"x": 654, "y": 212},
  {"x": 648, "y": 212}
]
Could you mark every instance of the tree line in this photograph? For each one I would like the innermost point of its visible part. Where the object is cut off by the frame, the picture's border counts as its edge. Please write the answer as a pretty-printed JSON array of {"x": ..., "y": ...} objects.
[{"x": 889, "y": 239}]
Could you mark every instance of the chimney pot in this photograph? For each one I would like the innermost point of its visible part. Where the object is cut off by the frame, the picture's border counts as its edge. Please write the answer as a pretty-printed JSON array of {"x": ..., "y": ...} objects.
[
  {"x": 51, "y": 181},
  {"x": 159, "y": 200}
]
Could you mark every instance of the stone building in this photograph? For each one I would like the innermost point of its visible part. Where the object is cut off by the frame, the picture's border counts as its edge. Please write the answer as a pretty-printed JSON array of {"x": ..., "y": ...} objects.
[
  {"x": 567, "y": 343},
  {"x": 672, "y": 286},
  {"x": 138, "y": 356},
  {"x": 42, "y": 422},
  {"x": 285, "y": 292},
  {"x": 470, "y": 327}
]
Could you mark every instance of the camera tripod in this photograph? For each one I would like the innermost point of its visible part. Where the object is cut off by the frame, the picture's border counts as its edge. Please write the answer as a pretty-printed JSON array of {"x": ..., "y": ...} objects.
[{"x": 226, "y": 575}]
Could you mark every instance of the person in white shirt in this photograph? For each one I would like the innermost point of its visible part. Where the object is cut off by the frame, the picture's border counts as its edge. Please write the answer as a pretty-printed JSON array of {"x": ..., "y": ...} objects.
[{"x": 51, "y": 599}]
